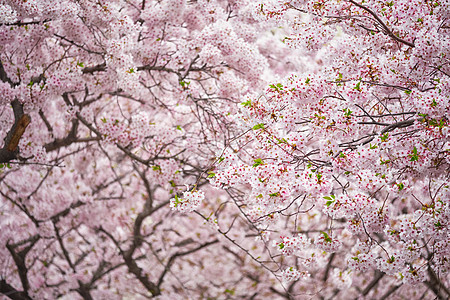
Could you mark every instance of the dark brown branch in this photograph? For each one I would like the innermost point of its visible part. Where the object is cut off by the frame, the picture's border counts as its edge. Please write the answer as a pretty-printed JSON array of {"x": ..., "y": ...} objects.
[
  {"x": 127, "y": 255},
  {"x": 22, "y": 23},
  {"x": 69, "y": 139},
  {"x": 4, "y": 77},
  {"x": 437, "y": 286},
  {"x": 284, "y": 295},
  {"x": 179, "y": 254},
  {"x": 97, "y": 68},
  {"x": 327, "y": 271},
  {"x": 385, "y": 28},
  {"x": 373, "y": 283},
  {"x": 46, "y": 122},
  {"x": 19, "y": 260},
  {"x": 137, "y": 242},
  {"x": 390, "y": 292},
  {"x": 401, "y": 124},
  {"x": 137, "y": 271},
  {"x": 84, "y": 292},
  {"x": 63, "y": 248},
  {"x": 21, "y": 121},
  {"x": 55, "y": 218},
  {"x": 77, "y": 45},
  {"x": 12, "y": 139},
  {"x": 9, "y": 291}
]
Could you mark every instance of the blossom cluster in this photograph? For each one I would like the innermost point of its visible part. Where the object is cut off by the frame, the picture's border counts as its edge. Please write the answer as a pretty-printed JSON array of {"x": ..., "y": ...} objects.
[
  {"x": 292, "y": 245},
  {"x": 191, "y": 201},
  {"x": 292, "y": 274}
]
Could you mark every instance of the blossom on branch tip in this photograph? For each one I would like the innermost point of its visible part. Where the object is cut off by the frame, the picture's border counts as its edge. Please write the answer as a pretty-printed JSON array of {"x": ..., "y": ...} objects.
[{"x": 191, "y": 200}]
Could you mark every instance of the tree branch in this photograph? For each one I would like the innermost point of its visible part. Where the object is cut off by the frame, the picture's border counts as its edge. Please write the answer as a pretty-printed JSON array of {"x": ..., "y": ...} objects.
[
  {"x": 437, "y": 286},
  {"x": 179, "y": 254},
  {"x": 21, "y": 121},
  {"x": 385, "y": 28},
  {"x": 10, "y": 292},
  {"x": 19, "y": 260}
]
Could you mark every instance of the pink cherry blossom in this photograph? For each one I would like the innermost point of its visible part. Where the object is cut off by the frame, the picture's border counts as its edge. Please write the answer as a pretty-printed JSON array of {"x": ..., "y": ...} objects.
[{"x": 223, "y": 149}]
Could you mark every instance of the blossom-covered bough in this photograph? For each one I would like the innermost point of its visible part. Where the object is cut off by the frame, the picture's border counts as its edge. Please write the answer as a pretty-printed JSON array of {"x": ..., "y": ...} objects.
[
  {"x": 144, "y": 156},
  {"x": 349, "y": 161}
]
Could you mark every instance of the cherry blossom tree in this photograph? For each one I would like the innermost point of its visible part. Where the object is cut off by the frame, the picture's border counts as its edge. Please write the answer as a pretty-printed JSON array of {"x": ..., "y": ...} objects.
[
  {"x": 217, "y": 149},
  {"x": 346, "y": 163}
]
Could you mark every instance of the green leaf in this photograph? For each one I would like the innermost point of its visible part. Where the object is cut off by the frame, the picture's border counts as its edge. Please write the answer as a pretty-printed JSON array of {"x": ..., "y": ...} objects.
[
  {"x": 384, "y": 162},
  {"x": 247, "y": 103},
  {"x": 326, "y": 236},
  {"x": 329, "y": 203},
  {"x": 414, "y": 156},
  {"x": 258, "y": 126},
  {"x": 178, "y": 200},
  {"x": 228, "y": 291},
  {"x": 358, "y": 86},
  {"x": 277, "y": 87},
  {"x": 211, "y": 175},
  {"x": 184, "y": 84},
  {"x": 179, "y": 127},
  {"x": 258, "y": 162}
]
